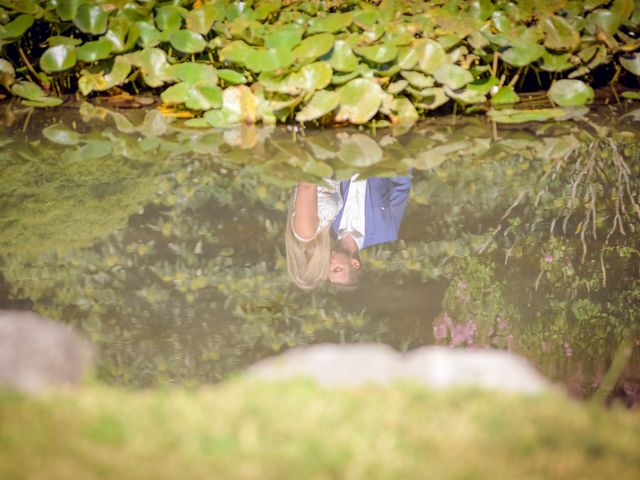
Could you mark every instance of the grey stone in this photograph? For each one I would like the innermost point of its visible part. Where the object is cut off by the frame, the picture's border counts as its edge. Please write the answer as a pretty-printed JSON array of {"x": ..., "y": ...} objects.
[
  {"x": 435, "y": 367},
  {"x": 37, "y": 354}
]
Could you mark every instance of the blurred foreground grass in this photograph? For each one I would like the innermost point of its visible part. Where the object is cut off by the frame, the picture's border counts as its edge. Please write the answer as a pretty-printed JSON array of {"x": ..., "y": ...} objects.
[{"x": 298, "y": 430}]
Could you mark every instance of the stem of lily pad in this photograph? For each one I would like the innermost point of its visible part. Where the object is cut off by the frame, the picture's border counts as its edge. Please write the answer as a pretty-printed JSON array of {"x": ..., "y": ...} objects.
[{"x": 29, "y": 66}]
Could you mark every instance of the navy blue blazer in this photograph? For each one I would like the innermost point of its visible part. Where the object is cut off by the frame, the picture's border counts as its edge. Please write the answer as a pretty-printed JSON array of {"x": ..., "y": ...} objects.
[{"x": 385, "y": 200}]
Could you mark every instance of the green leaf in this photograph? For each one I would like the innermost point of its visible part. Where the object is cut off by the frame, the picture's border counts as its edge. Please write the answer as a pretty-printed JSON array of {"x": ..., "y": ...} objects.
[
  {"x": 17, "y": 27},
  {"x": 268, "y": 60},
  {"x": 231, "y": 76},
  {"x": 193, "y": 73},
  {"x": 467, "y": 96},
  {"x": 631, "y": 95},
  {"x": 60, "y": 40},
  {"x": 43, "y": 102},
  {"x": 521, "y": 56},
  {"x": 186, "y": 41},
  {"x": 430, "y": 55},
  {"x": 311, "y": 77},
  {"x": 289, "y": 35},
  {"x": 101, "y": 82},
  {"x": 570, "y": 93},
  {"x": 481, "y": 9},
  {"x": 360, "y": 99},
  {"x": 58, "y": 59},
  {"x": 195, "y": 97},
  {"x": 453, "y": 76},
  {"x": 61, "y": 135},
  {"x": 320, "y": 104},
  {"x": 559, "y": 34},
  {"x": 555, "y": 63},
  {"x": 631, "y": 63},
  {"x": 201, "y": 19},
  {"x": 313, "y": 47},
  {"x": 505, "y": 95},
  {"x": 417, "y": 79},
  {"x": 382, "y": 53},
  {"x": 396, "y": 87},
  {"x": 153, "y": 65},
  {"x": 149, "y": 35},
  {"x": 67, "y": 9},
  {"x": 28, "y": 90},
  {"x": 407, "y": 58},
  {"x": 91, "y": 19},
  {"x": 93, "y": 51},
  {"x": 332, "y": 23},
  {"x": 236, "y": 52},
  {"x": 342, "y": 59},
  {"x": 603, "y": 21},
  {"x": 169, "y": 17}
]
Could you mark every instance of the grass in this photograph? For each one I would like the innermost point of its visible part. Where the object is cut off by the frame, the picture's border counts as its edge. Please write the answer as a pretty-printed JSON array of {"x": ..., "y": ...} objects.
[{"x": 298, "y": 430}]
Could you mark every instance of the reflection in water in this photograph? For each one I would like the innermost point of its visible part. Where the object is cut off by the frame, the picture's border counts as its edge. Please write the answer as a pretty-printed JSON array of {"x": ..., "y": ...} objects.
[{"x": 165, "y": 244}]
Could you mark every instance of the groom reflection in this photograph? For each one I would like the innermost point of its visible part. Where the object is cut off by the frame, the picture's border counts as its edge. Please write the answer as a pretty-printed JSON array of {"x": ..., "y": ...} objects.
[{"x": 371, "y": 214}]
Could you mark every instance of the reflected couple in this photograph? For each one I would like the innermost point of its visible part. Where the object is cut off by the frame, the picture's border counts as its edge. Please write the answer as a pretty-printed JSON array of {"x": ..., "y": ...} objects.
[{"x": 355, "y": 213}]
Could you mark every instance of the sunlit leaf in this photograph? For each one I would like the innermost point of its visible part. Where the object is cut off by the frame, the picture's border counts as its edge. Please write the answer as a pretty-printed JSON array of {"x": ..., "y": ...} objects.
[
  {"x": 382, "y": 53},
  {"x": 17, "y": 27},
  {"x": 289, "y": 35},
  {"x": 332, "y": 23},
  {"x": 193, "y": 73},
  {"x": 320, "y": 104},
  {"x": 231, "y": 76},
  {"x": 569, "y": 93},
  {"x": 343, "y": 59},
  {"x": 360, "y": 99},
  {"x": 201, "y": 19},
  {"x": 631, "y": 63},
  {"x": 169, "y": 17},
  {"x": 522, "y": 116},
  {"x": 430, "y": 55},
  {"x": 28, "y": 90},
  {"x": 187, "y": 41},
  {"x": 521, "y": 56},
  {"x": 453, "y": 76},
  {"x": 58, "y": 59},
  {"x": 505, "y": 95},
  {"x": 314, "y": 46},
  {"x": 91, "y": 19},
  {"x": 559, "y": 34},
  {"x": 93, "y": 51}
]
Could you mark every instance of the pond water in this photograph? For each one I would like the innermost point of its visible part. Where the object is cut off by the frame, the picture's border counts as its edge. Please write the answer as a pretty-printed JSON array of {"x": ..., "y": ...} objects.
[{"x": 166, "y": 245}]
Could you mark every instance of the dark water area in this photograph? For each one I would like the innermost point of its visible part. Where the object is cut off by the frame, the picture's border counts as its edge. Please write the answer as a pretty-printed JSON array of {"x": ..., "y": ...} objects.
[{"x": 166, "y": 245}]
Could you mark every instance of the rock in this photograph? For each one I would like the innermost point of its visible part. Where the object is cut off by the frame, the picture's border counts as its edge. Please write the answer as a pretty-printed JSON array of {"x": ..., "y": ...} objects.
[
  {"x": 435, "y": 367},
  {"x": 37, "y": 354}
]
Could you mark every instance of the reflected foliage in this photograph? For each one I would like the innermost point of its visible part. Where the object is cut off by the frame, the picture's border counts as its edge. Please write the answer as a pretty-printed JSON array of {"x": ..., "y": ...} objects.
[{"x": 512, "y": 238}]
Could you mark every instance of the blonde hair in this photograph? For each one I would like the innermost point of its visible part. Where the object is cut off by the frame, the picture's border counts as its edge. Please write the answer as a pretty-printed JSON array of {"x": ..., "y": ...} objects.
[{"x": 307, "y": 261}]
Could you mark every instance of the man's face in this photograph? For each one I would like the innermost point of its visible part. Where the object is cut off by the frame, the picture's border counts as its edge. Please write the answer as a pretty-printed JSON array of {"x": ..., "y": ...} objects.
[{"x": 340, "y": 266}]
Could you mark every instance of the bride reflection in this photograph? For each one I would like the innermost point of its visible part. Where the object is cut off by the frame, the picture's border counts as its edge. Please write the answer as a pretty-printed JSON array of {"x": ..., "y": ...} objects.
[
  {"x": 370, "y": 214},
  {"x": 312, "y": 210}
]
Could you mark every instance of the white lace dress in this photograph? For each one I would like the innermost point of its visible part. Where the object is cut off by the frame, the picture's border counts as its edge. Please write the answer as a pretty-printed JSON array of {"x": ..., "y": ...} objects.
[{"x": 329, "y": 205}]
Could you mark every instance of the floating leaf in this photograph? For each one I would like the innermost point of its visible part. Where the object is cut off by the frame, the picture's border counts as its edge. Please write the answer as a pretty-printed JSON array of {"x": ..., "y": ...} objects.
[
  {"x": 397, "y": 87},
  {"x": 195, "y": 97},
  {"x": 61, "y": 135},
  {"x": 153, "y": 65},
  {"x": 231, "y": 76},
  {"x": 382, "y": 53},
  {"x": 334, "y": 22},
  {"x": 606, "y": 21},
  {"x": 17, "y": 27},
  {"x": 311, "y": 77},
  {"x": 186, "y": 41},
  {"x": 432, "y": 98},
  {"x": 240, "y": 101},
  {"x": 149, "y": 35},
  {"x": 359, "y": 150},
  {"x": 201, "y": 19},
  {"x": 522, "y": 116},
  {"x": 314, "y": 46},
  {"x": 505, "y": 95},
  {"x": 43, "y": 102},
  {"x": 360, "y": 99},
  {"x": 289, "y": 36},
  {"x": 555, "y": 63},
  {"x": 467, "y": 96},
  {"x": 93, "y": 51},
  {"x": 91, "y": 19},
  {"x": 631, "y": 63},
  {"x": 268, "y": 60},
  {"x": 193, "y": 73},
  {"x": 407, "y": 58},
  {"x": 403, "y": 111},
  {"x": 430, "y": 55},
  {"x": 453, "y": 76},
  {"x": 343, "y": 59},
  {"x": 631, "y": 95},
  {"x": 169, "y": 17},
  {"x": 484, "y": 86},
  {"x": 60, "y": 40},
  {"x": 320, "y": 104},
  {"x": 559, "y": 34},
  {"x": 521, "y": 56},
  {"x": 67, "y": 10},
  {"x": 58, "y": 59},
  {"x": 417, "y": 79},
  {"x": 569, "y": 93},
  {"x": 28, "y": 90},
  {"x": 236, "y": 52}
]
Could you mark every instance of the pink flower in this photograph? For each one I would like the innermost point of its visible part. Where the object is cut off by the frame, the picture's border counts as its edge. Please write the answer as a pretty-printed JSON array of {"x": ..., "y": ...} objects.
[{"x": 548, "y": 258}]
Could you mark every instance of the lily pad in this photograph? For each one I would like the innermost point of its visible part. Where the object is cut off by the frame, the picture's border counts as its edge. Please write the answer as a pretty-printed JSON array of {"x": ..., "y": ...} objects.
[
  {"x": 430, "y": 55},
  {"x": 432, "y": 98},
  {"x": 153, "y": 65},
  {"x": 521, "y": 56},
  {"x": 101, "y": 82},
  {"x": 382, "y": 53},
  {"x": 236, "y": 52},
  {"x": 631, "y": 95},
  {"x": 194, "y": 97},
  {"x": 505, "y": 95},
  {"x": 407, "y": 58},
  {"x": 484, "y": 86},
  {"x": 67, "y": 10},
  {"x": 193, "y": 73},
  {"x": 453, "y": 76},
  {"x": 17, "y": 27},
  {"x": 186, "y": 41},
  {"x": 311, "y": 77},
  {"x": 91, "y": 19},
  {"x": 169, "y": 17},
  {"x": 231, "y": 76},
  {"x": 58, "y": 59},
  {"x": 522, "y": 116},
  {"x": 28, "y": 90},
  {"x": 360, "y": 99},
  {"x": 359, "y": 150},
  {"x": 467, "y": 96},
  {"x": 268, "y": 60},
  {"x": 417, "y": 79},
  {"x": 43, "y": 102},
  {"x": 601, "y": 20},
  {"x": 334, "y": 22},
  {"x": 93, "y": 51},
  {"x": 403, "y": 111},
  {"x": 571, "y": 93},
  {"x": 555, "y": 63},
  {"x": 397, "y": 86},
  {"x": 320, "y": 104},
  {"x": 343, "y": 59},
  {"x": 559, "y": 34},
  {"x": 149, "y": 35},
  {"x": 314, "y": 46},
  {"x": 61, "y": 135},
  {"x": 201, "y": 19},
  {"x": 631, "y": 63},
  {"x": 289, "y": 35},
  {"x": 241, "y": 102}
]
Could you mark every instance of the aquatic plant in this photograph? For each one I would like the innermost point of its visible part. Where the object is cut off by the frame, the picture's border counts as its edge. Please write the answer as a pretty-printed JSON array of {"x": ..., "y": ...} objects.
[{"x": 386, "y": 62}]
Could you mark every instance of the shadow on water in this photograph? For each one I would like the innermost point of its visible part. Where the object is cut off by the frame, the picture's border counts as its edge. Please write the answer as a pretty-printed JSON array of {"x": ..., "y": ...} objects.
[{"x": 166, "y": 244}]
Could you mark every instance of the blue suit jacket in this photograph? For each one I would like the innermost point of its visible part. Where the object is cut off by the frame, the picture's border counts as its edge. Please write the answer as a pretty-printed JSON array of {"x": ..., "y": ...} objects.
[{"x": 385, "y": 200}]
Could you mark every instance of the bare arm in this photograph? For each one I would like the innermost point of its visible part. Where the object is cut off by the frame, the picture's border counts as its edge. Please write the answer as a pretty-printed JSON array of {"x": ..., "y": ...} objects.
[{"x": 305, "y": 221}]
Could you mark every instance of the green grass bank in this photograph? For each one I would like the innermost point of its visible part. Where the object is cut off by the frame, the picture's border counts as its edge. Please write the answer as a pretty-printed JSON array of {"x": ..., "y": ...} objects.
[{"x": 298, "y": 430}]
